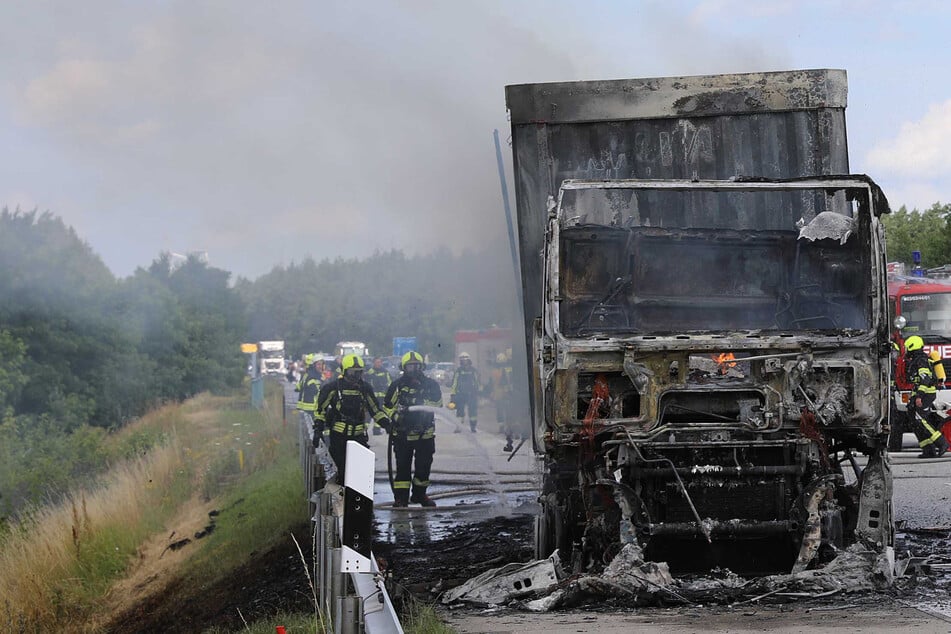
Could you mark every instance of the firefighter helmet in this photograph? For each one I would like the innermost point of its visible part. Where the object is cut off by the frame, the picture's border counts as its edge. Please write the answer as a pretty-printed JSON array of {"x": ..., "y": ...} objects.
[
  {"x": 309, "y": 359},
  {"x": 411, "y": 357},
  {"x": 914, "y": 343},
  {"x": 464, "y": 356},
  {"x": 351, "y": 361}
]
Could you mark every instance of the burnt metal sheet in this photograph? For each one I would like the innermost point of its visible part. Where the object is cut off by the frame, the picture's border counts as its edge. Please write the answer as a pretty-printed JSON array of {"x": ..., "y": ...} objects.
[
  {"x": 667, "y": 97},
  {"x": 771, "y": 125}
]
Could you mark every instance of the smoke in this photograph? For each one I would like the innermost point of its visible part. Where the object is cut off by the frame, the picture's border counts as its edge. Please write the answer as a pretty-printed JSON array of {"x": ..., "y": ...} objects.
[{"x": 263, "y": 134}]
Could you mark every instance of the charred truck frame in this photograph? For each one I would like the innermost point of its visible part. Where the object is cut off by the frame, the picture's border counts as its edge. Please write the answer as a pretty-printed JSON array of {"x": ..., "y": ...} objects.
[{"x": 707, "y": 310}]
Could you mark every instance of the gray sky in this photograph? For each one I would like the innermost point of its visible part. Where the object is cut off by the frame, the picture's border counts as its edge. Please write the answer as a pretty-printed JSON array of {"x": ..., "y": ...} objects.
[{"x": 266, "y": 132}]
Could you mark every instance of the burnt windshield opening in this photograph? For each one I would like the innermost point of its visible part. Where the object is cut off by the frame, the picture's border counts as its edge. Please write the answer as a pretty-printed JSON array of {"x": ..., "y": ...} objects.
[{"x": 673, "y": 261}]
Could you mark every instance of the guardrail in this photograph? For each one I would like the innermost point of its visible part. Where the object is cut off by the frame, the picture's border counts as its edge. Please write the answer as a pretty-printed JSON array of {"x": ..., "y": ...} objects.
[{"x": 351, "y": 594}]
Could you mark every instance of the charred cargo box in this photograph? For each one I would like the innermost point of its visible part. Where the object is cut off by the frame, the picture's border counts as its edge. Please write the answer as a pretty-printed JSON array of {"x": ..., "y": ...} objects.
[{"x": 706, "y": 310}]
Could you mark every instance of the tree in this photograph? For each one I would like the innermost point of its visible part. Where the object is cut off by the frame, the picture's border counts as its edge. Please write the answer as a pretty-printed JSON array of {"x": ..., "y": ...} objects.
[
  {"x": 12, "y": 377},
  {"x": 313, "y": 305},
  {"x": 928, "y": 232}
]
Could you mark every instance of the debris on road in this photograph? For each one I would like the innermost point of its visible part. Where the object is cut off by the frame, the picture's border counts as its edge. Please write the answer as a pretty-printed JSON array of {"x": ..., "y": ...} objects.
[{"x": 629, "y": 580}]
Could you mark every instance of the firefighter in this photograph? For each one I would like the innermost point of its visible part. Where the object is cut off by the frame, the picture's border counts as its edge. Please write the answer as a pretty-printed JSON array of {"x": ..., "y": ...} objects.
[
  {"x": 465, "y": 391},
  {"x": 342, "y": 407},
  {"x": 379, "y": 379},
  {"x": 922, "y": 417},
  {"x": 412, "y": 432},
  {"x": 308, "y": 387}
]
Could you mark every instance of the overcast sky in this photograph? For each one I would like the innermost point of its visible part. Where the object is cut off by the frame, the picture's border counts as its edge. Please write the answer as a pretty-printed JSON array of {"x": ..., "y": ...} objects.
[{"x": 266, "y": 132}]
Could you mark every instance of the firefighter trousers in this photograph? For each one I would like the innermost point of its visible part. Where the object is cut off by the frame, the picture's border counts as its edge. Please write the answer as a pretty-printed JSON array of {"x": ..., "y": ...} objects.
[
  {"x": 467, "y": 402},
  {"x": 405, "y": 451}
]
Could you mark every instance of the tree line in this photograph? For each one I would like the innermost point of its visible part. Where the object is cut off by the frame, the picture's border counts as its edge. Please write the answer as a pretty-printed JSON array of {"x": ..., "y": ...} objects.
[
  {"x": 313, "y": 305},
  {"x": 928, "y": 232},
  {"x": 83, "y": 352}
]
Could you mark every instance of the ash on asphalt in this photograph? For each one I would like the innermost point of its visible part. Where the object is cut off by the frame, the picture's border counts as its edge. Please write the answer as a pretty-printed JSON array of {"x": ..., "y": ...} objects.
[
  {"x": 420, "y": 565},
  {"x": 927, "y": 585}
]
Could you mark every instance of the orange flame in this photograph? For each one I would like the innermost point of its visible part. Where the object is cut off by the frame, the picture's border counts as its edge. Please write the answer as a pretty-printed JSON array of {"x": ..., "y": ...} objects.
[{"x": 725, "y": 361}]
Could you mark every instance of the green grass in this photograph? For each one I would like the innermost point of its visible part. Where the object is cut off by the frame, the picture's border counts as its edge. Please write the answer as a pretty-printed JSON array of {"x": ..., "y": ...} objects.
[
  {"x": 59, "y": 560},
  {"x": 423, "y": 619},
  {"x": 292, "y": 623},
  {"x": 254, "y": 514}
]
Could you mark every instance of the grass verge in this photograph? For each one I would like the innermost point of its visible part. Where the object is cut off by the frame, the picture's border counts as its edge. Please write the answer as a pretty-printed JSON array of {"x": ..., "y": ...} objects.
[{"x": 58, "y": 561}]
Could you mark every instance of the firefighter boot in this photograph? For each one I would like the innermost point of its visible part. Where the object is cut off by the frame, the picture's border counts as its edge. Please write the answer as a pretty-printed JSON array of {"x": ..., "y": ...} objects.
[
  {"x": 400, "y": 499},
  {"x": 940, "y": 447},
  {"x": 419, "y": 497}
]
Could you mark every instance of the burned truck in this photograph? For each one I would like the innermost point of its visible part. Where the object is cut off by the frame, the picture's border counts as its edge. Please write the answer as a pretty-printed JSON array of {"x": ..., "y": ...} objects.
[{"x": 706, "y": 315}]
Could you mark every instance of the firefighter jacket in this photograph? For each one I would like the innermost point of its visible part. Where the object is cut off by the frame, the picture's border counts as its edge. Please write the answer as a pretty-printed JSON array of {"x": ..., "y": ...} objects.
[
  {"x": 405, "y": 392},
  {"x": 501, "y": 382},
  {"x": 343, "y": 405},
  {"x": 465, "y": 381},
  {"x": 379, "y": 380},
  {"x": 309, "y": 388},
  {"x": 919, "y": 372}
]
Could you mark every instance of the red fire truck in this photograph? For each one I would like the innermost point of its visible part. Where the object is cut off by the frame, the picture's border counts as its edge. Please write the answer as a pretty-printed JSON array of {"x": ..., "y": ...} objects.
[{"x": 919, "y": 306}]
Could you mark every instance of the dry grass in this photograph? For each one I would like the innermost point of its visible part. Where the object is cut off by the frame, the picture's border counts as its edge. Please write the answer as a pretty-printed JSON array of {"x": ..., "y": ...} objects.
[
  {"x": 50, "y": 566},
  {"x": 60, "y": 560}
]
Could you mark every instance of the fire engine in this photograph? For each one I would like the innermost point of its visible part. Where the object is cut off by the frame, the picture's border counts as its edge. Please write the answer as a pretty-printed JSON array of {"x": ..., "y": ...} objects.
[{"x": 919, "y": 306}]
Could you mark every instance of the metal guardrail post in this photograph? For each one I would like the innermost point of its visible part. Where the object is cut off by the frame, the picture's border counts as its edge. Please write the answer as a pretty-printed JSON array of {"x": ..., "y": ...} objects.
[
  {"x": 257, "y": 392},
  {"x": 349, "y": 616},
  {"x": 329, "y": 544},
  {"x": 338, "y": 584}
]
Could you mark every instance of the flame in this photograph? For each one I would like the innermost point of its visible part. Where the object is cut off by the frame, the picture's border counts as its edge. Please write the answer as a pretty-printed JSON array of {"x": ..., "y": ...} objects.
[{"x": 725, "y": 361}]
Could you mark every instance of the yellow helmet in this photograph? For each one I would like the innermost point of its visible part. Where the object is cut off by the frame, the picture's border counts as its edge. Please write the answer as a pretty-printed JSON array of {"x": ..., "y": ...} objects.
[
  {"x": 351, "y": 361},
  {"x": 411, "y": 357},
  {"x": 914, "y": 343},
  {"x": 309, "y": 359}
]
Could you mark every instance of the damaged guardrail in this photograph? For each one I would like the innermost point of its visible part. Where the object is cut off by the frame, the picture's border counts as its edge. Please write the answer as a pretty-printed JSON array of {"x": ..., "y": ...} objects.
[{"x": 350, "y": 585}]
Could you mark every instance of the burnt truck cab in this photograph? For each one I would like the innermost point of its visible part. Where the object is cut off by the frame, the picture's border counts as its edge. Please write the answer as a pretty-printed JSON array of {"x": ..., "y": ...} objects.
[{"x": 711, "y": 358}]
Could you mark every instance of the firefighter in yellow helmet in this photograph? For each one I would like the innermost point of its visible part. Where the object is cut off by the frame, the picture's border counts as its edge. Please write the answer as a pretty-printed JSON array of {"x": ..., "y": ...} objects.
[
  {"x": 309, "y": 386},
  {"x": 465, "y": 390},
  {"x": 342, "y": 407},
  {"x": 413, "y": 432},
  {"x": 921, "y": 415}
]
